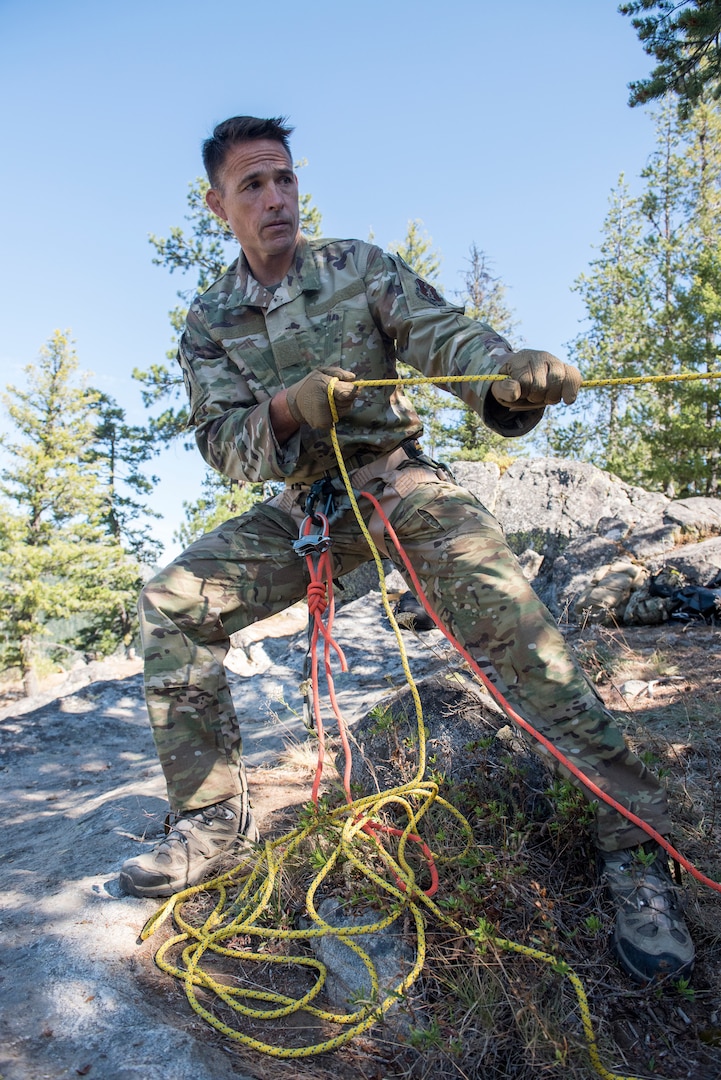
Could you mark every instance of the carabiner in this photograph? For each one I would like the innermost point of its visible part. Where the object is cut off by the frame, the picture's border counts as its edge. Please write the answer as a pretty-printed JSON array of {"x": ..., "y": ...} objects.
[{"x": 320, "y": 489}]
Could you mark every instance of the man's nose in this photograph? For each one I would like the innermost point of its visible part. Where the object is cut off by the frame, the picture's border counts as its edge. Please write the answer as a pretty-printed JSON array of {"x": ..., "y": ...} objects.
[{"x": 273, "y": 195}]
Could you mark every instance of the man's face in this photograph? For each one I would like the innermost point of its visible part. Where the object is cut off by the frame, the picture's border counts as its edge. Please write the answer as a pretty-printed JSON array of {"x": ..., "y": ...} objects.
[{"x": 258, "y": 197}]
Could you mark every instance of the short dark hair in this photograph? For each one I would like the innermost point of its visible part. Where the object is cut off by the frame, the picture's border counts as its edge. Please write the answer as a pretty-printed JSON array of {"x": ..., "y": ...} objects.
[{"x": 241, "y": 129}]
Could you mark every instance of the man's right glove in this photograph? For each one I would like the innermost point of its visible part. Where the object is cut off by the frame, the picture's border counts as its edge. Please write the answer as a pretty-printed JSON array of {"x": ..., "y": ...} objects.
[
  {"x": 535, "y": 378},
  {"x": 308, "y": 402}
]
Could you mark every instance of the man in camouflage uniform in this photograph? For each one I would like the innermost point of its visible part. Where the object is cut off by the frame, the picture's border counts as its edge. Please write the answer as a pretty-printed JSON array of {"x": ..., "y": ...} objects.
[{"x": 259, "y": 350}]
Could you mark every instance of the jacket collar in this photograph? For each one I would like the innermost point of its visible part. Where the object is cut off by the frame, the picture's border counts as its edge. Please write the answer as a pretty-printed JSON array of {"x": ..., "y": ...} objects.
[{"x": 303, "y": 276}]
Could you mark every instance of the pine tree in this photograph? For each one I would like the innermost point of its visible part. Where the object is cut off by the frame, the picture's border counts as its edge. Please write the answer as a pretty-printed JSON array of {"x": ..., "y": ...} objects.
[
  {"x": 431, "y": 404},
  {"x": 220, "y": 499},
  {"x": 117, "y": 453},
  {"x": 484, "y": 298},
  {"x": 683, "y": 203},
  {"x": 418, "y": 252},
  {"x": 616, "y": 294},
  {"x": 685, "y": 38},
  {"x": 56, "y": 557},
  {"x": 653, "y": 298}
]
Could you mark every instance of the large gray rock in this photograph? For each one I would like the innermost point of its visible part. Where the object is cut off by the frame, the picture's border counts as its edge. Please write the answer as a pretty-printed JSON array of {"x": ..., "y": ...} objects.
[
  {"x": 699, "y": 563},
  {"x": 483, "y": 478},
  {"x": 348, "y": 982},
  {"x": 555, "y": 496},
  {"x": 582, "y": 520},
  {"x": 698, "y": 516}
]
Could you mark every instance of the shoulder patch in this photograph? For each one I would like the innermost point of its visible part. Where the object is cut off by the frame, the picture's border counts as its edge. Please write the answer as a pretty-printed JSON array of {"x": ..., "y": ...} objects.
[{"x": 427, "y": 292}]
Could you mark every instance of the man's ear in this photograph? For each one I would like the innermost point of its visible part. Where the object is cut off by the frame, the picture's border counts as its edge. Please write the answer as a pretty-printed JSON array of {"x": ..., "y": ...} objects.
[{"x": 213, "y": 201}]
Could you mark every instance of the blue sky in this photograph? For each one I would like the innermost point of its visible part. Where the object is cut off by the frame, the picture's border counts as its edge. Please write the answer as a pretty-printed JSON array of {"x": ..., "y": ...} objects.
[{"x": 500, "y": 124}]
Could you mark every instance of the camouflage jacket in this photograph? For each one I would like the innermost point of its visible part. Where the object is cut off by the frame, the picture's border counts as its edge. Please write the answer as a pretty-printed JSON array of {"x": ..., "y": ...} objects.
[{"x": 345, "y": 303}]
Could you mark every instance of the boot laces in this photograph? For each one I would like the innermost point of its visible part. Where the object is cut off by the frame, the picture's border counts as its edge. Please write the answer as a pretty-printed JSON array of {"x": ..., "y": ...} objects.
[
  {"x": 640, "y": 886},
  {"x": 185, "y": 825}
]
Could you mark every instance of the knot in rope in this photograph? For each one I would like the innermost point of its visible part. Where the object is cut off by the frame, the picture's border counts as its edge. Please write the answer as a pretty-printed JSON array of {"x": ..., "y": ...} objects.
[{"x": 317, "y": 597}]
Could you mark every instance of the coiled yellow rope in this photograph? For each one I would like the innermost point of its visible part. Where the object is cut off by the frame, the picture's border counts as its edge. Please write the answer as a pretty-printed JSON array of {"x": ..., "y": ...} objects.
[{"x": 244, "y": 904}]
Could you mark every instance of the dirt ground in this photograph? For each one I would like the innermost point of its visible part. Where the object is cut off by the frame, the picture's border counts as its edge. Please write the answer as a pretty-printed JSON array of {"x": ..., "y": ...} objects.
[{"x": 80, "y": 787}]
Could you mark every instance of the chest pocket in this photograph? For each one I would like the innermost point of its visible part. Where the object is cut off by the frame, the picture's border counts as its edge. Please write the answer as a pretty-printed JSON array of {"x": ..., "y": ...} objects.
[
  {"x": 317, "y": 344},
  {"x": 257, "y": 366}
]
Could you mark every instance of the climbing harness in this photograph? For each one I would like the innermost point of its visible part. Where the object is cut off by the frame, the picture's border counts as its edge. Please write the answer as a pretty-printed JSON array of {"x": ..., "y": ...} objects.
[{"x": 359, "y": 839}]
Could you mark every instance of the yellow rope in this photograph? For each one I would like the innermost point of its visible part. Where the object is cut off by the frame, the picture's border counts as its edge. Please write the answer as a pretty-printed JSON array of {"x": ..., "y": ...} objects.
[
  {"x": 245, "y": 894},
  {"x": 586, "y": 384},
  {"x": 638, "y": 380}
]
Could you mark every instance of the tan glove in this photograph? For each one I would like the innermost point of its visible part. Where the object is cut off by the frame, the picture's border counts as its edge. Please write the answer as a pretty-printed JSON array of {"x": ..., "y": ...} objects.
[
  {"x": 535, "y": 378},
  {"x": 307, "y": 400}
]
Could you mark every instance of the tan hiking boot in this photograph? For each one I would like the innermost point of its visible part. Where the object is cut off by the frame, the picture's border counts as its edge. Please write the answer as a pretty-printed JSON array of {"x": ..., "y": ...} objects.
[{"x": 191, "y": 850}]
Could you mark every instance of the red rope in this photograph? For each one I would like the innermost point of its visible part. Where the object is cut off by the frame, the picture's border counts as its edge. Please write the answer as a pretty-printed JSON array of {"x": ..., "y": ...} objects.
[
  {"x": 321, "y": 600},
  {"x": 526, "y": 726}
]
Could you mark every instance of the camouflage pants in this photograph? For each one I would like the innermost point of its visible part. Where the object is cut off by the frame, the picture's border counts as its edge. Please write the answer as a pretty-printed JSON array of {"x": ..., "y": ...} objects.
[{"x": 246, "y": 570}]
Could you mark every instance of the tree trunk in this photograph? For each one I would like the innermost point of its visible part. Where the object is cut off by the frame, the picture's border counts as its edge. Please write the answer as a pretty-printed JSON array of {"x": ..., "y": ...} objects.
[{"x": 31, "y": 684}]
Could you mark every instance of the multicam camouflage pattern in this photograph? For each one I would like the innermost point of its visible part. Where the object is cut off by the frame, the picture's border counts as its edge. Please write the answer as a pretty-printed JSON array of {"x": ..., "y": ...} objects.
[
  {"x": 349, "y": 304},
  {"x": 343, "y": 303},
  {"x": 246, "y": 569}
]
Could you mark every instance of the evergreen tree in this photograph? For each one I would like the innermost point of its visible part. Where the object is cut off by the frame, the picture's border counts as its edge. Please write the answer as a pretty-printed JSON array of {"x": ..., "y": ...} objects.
[
  {"x": 220, "y": 499},
  {"x": 56, "y": 557},
  {"x": 484, "y": 298},
  {"x": 685, "y": 423},
  {"x": 117, "y": 453},
  {"x": 431, "y": 404},
  {"x": 616, "y": 294},
  {"x": 418, "y": 252},
  {"x": 685, "y": 38},
  {"x": 653, "y": 298},
  {"x": 484, "y": 295}
]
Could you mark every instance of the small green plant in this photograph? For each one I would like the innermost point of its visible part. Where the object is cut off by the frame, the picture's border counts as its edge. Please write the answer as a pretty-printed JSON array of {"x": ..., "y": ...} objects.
[
  {"x": 484, "y": 743},
  {"x": 684, "y": 989},
  {"x": 426, "y": 1038},
  {"x": 317, "y": 859},
  {"x": 383, "y": 719},
  {"x": 570, "y": 804},
  {"x": 644, "y": 858},
  {"x": 593, "y": 924}
]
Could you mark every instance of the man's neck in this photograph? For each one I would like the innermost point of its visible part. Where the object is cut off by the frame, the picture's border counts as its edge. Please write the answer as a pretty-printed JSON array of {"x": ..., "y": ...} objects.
[{"x": 272, "y": 271}]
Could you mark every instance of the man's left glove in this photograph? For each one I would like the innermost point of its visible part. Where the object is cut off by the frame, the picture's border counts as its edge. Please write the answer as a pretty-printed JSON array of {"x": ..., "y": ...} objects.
[{"x": 535, "y": 378}]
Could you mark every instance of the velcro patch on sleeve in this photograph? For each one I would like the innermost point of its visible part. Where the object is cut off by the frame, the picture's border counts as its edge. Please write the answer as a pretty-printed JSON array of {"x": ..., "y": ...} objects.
[{"x": 429, "y": 293}]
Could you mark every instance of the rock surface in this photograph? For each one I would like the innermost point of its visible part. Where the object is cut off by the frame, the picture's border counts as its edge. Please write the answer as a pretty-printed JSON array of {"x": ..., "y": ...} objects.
[{"x": 579, "y": 519}]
